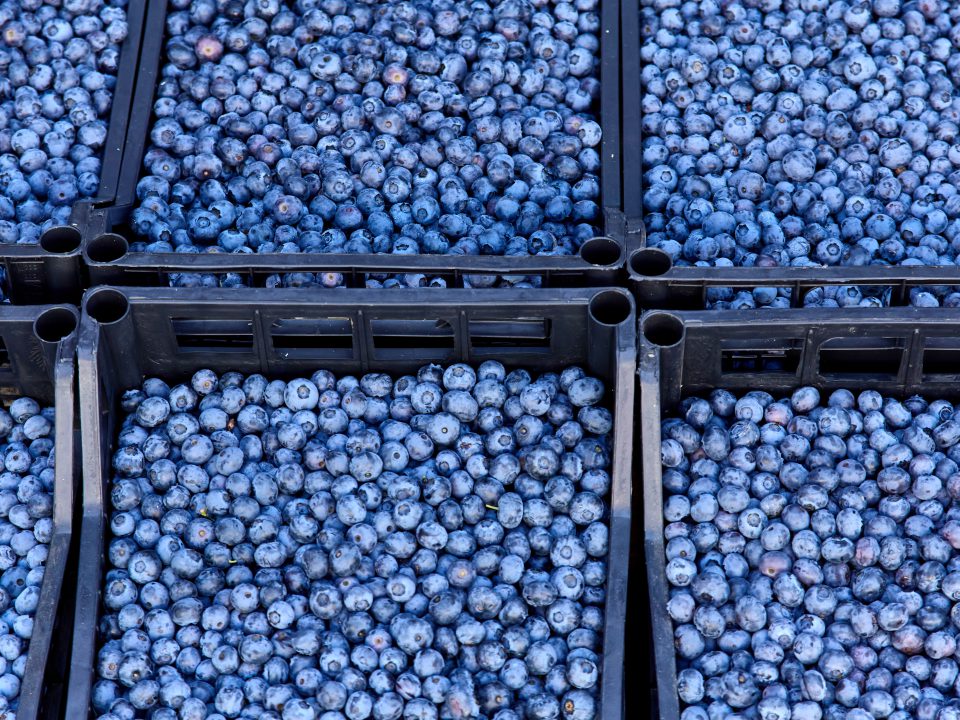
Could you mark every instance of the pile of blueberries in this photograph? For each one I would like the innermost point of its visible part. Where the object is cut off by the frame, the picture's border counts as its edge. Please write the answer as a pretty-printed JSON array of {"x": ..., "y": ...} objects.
[
  {"x": 812, "y": 555},
  {"x": 58, "y": 67},
  {"x": 343, "y": 126},
  {"x": 26, "y": 527},
  {"x": 428, "y": 548},
  {"x": 802, "y": 132}
]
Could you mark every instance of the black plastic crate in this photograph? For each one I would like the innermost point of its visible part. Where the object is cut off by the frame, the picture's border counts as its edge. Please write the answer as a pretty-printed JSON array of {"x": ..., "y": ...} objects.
[
  {"x": 129, "y": 333},
  {"x": 37, "y": 348},
  {"x": 51, "y": 271},
  {"x": 901, "y": 352},
  {"x": 658, "y": 284},
  {"x": 107, "y": 234}
]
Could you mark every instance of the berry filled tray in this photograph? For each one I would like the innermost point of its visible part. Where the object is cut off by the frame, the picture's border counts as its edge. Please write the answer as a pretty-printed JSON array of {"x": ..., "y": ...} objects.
[
  {"x": 397, "y": 145},
  {"x": 787, "y": 142},
  {"x": 68, "y": 77},
  {"x": 410, "y": 505},
  {"x": 799, "y": 478}
]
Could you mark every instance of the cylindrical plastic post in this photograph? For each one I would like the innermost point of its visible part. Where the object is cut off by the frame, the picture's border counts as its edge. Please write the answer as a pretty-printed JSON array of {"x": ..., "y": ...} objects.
[
  {"x": 607, "y": 310},
  {"x": 665, "y": 332},
  {"x": 51, "y": 327},
  {"x": 650, "y": 263},
  {"x": 110, "y": 308}
]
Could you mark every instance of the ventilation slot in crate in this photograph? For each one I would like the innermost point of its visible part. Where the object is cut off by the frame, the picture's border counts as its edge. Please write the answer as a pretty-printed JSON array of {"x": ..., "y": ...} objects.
[
  {"x": 413, "y": 340},
  {"x": 5, "y": 363},
  {"x": 941, "y": 356},
  {"x": 219, "y": 335},
  {"x": 532, "y": 334},
  {"x": 324, "y": 338},
  {"x": 784, "y": 358},
  {"x": 879, "y": 358}
]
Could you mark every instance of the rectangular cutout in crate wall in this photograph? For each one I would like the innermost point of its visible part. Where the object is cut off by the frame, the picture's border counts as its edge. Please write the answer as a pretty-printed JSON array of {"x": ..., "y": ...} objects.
[
  {"x": 9, "y": 391},
  {"x": 5, "y": 362},
  {"x": 528, "y": 334},
  {"x": 220, "y": 335},
  {"x": 852, "y": 356},
  {"x": 313, "y": 338},
  {"x": 941, "y": 356},
  {"x": 423, "y": 341},
  {"x": 746, "y": 357}
]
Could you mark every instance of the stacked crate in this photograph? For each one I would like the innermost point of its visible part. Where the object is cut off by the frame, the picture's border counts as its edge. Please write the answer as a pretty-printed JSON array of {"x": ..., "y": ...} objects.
[
  {"x": 254, "y": 312},
  {"x": 759, "y": 325}
]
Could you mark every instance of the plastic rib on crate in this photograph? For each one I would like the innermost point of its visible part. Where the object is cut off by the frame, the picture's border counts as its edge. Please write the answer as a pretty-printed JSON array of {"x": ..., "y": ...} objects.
[
  {"x": 37, "y": 346},
  {"x": 107, "y": 233},
  {"x": 899, "y": 351},
  {"x": 129, "y": 333},
  {"x": 51, "y": 271}
]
